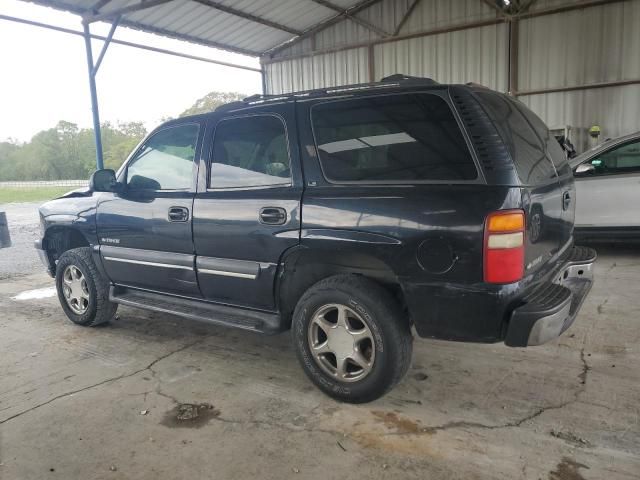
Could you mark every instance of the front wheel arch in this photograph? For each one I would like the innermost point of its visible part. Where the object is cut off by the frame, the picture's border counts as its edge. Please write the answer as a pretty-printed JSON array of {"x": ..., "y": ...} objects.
[{"x": 60, "y": 239}]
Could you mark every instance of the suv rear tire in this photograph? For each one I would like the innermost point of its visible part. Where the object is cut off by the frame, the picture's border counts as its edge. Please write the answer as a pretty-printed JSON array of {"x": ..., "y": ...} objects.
[
  {"x": 83, "y": 292},
  {"x": 351, "y": 337}
]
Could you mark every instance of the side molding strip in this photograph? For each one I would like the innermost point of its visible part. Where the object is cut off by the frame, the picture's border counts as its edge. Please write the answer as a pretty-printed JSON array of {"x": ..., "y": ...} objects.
[
  {"x": 227, "y": 274},
  {"x": 151, "y": 264}
]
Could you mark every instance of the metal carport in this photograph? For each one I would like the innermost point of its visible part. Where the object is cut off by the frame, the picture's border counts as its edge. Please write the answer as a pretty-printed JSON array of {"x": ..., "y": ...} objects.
[
  {"x": 249, "y": 27},
  {"x": 547, "y": 52}
]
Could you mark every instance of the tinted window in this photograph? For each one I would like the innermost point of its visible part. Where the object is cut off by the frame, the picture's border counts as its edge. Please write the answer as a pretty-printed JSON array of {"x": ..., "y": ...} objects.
[
  {"x": 391, "y": 138},
  {"x": 622, "y": 159},
  {"x": 526, "y": 149},
  {"x": 250, "y": 152},
  {"x": 165, "y": 161},
  {"x": 554, "y": 150}
]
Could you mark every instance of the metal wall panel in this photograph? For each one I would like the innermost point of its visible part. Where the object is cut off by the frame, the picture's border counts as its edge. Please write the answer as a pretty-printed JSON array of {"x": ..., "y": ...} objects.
[
  {"x": 547, "y": 4},
  {"x": 332, "y": 69},
  {"x": 615, "y": 109},
  {"x": 430, "y": 14},
  {"x": 476, "y": 55},
  {"x": 387, "y": 14},
  {"x": 591, "y": 45}
]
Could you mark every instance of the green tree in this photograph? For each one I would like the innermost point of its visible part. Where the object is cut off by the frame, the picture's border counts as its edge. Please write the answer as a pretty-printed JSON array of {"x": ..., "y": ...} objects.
[
  {"x": 211, "y": 101},
  {"x": 68, "y": 152}
]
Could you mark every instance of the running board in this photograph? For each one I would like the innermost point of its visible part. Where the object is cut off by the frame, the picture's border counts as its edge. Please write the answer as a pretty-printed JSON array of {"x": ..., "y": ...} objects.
[{"x": 255, "y": 321}]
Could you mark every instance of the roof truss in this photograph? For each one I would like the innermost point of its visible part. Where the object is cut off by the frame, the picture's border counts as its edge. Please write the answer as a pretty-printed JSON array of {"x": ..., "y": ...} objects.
[{"x": 100, "y": 11}]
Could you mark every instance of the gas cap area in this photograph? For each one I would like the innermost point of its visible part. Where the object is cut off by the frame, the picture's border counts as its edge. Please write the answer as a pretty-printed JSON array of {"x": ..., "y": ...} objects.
[{"x": 435, "y": 255}]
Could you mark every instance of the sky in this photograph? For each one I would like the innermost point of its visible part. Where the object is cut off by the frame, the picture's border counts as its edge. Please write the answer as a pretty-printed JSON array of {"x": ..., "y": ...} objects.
[{"x": 43, "y": 75}]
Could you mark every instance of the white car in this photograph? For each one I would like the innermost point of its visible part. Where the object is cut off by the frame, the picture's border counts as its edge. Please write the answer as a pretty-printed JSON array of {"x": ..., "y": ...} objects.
[{"x": 608, "y": 190}]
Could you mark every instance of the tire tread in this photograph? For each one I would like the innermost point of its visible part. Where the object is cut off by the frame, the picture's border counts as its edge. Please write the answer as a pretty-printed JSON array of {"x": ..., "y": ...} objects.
[
  {"x": 105, "y": 310},
  {"x": 384, "y": 305}
]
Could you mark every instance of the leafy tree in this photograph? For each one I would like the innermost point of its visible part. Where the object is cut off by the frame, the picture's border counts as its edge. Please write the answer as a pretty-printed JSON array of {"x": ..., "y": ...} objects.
[
  {"x": 211, "y": 101},
  {"x": 68, "y": 152}
]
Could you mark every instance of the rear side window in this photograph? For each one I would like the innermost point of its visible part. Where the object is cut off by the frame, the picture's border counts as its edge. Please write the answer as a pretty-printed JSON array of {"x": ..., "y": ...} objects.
[
  {"x": 528, "y": 153},
  {"x": 391, "y": 138}
]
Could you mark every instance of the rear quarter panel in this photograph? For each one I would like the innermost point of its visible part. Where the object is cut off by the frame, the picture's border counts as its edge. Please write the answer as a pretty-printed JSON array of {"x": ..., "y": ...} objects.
[{"x": 429, "y": 236}]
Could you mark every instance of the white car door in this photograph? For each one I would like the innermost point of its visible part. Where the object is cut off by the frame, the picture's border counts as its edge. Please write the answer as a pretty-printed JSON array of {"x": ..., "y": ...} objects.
[{"x": 609, "y": 195}]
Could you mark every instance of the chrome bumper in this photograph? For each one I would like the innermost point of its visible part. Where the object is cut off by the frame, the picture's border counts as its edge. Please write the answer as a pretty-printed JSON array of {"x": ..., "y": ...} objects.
[{"x": 553, "y": 307}]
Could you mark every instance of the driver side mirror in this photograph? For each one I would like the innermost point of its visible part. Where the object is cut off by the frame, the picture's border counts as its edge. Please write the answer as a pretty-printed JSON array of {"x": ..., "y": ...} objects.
[
  {"x": 103, "y": 181},
  {"x": 585, "y": 169}
]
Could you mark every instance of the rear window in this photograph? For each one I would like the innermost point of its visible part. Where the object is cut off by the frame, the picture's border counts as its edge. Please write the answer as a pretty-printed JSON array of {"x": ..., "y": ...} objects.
[
  {"x": 528, "y": 153},
  {"x": 391, "y": 138}
]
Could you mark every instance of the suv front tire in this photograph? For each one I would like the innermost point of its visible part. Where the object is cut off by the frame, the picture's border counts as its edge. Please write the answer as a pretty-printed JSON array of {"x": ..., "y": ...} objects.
[
  {"x": 83, "y": 292},
  {"x": 351, "y": 338}
]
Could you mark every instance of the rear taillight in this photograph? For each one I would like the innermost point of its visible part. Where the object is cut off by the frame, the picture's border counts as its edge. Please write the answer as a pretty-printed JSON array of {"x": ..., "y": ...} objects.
[{"x": 504, "y": 246}]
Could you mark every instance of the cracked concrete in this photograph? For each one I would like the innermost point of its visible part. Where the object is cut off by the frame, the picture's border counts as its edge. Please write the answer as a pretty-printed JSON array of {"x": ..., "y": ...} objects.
[
  {"x": 71, "y": 400},
  {"x": 103, "y": 382}
]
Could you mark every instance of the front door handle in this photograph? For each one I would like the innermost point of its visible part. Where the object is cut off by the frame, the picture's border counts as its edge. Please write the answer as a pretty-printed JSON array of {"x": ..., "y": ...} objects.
[
  {"x": 273, "y": 215},
  {"x": 178, "y": 214}
]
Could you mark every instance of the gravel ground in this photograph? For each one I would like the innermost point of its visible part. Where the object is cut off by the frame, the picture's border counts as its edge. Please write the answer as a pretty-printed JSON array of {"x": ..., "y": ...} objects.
[{"x": 21, "y": 258}]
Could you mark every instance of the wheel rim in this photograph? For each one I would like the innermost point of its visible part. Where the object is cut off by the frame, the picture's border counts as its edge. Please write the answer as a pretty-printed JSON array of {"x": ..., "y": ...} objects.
[
  {"x": 341, "y": 343},
  {"x": 75, "y": 289}
]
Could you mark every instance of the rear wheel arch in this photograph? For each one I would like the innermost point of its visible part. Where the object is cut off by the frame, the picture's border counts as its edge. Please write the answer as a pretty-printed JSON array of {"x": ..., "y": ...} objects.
[
  {"x": 364, "y": 351},
  {"x": 303, "y": 267}
]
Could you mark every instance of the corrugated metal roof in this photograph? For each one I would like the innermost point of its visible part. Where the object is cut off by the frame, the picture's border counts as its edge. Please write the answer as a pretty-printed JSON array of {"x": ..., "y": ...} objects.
[{"x": 251, "y": 27}]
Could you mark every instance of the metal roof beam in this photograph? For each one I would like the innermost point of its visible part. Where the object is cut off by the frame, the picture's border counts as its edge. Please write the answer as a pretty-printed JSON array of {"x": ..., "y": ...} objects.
[
  {"x": 91, "y": 17},
  {"x": 105, "y": 45},
  {"x": 61, "y": 5},
  {"x": 130, "y": 44},
  {"x": 322, "y": 25},
  {"x": 353, "y": 18},
  {"x": 98, "y": 5},
  {"x": 406, "y": 16},
  {"x": 248, "y": 16},
  {"x": 188, "y": 38}
]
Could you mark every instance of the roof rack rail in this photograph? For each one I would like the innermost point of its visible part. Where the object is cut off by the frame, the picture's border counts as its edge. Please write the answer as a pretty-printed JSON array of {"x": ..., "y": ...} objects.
[
  {"x": 401, "y": 77},
  {"x": 396, "y": 79}
]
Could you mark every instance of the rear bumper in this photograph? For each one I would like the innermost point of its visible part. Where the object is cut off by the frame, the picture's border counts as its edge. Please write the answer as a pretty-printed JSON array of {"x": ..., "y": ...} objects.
[{"x": 551, "y": 309}]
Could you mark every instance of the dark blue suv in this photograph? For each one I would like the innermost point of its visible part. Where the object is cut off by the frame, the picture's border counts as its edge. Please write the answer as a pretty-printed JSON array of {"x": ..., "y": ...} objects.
[{"x": 351, "y": 216}]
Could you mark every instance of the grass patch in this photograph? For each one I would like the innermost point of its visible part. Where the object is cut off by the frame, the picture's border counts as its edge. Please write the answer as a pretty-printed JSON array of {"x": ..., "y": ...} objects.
[{"x": 31, "y": 194}]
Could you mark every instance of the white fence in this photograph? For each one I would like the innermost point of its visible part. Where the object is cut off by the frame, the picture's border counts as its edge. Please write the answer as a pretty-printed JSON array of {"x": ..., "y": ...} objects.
[{"x": 46, "y": 183}]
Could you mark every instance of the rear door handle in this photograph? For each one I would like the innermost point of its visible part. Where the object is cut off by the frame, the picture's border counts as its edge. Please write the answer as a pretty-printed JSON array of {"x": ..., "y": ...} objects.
[
  {"x": 178, "y": 214},
  {"x": 273, "y": 215}
]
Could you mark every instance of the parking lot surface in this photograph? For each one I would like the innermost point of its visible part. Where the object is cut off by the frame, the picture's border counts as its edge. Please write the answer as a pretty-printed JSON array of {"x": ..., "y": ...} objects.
[{"x": 153, "y": 396}]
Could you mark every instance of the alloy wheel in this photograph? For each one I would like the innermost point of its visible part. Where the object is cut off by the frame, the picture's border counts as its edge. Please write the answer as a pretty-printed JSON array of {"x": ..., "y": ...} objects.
[
  {"x": 75, "y": 289},
  {"x": 341, "y": 342}
]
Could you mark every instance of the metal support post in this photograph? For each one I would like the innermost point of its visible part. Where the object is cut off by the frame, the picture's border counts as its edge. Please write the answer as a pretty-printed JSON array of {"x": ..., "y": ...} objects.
[{"x": 93, "y": 70}]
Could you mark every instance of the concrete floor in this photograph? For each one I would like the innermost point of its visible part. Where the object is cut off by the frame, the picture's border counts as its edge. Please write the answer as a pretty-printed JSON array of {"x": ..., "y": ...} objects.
[{"x": 107, "y": 403}]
